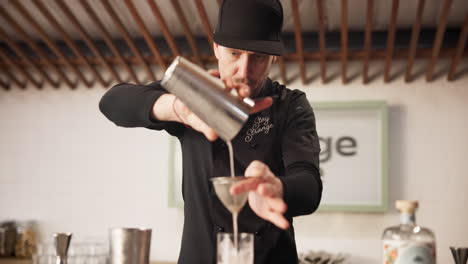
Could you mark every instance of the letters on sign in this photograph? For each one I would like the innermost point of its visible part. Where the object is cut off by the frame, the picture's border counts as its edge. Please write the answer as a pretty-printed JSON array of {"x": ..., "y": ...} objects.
[{"x": 345, "y": 146}]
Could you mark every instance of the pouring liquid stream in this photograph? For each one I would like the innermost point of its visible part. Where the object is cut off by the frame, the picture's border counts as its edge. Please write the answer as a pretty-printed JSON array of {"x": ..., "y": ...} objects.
[{"x": 234, "y": 214}]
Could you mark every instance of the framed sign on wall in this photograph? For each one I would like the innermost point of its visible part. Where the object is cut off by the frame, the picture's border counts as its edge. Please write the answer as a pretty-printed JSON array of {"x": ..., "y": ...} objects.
[{"x": 353, "y": 157}]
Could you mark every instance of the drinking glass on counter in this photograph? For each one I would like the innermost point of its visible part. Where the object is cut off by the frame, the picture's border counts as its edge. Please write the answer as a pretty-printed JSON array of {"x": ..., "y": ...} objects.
[
  {"x": 43, "y": 259},
  {"x": 87, "y": 260},
  {"x": 78, "y": 253},
  {"x": 227, "y": 253},
  {"x": 71, "y": 260}
]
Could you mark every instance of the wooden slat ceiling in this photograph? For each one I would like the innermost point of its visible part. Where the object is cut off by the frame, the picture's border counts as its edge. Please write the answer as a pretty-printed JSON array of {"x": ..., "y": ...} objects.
[{"x": 84, "y": 42}]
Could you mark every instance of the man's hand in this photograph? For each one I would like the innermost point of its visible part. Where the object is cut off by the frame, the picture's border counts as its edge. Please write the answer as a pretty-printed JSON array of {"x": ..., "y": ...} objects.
[
  {"x": 243, "y": 91},
  {"x": 265, "y": 193},
  {"x": 170, "y": 108},
  {"x": 184, "y": 115}
]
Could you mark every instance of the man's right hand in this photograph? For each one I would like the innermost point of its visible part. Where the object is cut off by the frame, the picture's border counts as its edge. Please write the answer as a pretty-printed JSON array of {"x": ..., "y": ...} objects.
[
  {"x": 186, "y": 116},
  {"x": 169, "y": 108}
]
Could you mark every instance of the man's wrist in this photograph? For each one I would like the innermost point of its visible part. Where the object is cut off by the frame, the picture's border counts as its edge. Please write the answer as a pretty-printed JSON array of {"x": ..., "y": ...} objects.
[
  {"x": 175, "y": 115},
  {"x": 164, "y": 110}
]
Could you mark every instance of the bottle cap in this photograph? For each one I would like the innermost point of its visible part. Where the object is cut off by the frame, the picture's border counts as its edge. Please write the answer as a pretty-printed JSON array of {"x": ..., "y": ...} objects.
[{"x": 406, "y": 206}]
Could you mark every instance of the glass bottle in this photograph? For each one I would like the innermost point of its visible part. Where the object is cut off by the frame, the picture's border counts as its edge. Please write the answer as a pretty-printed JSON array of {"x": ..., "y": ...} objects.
[
  {"x": 408, "y": 243},
  {"x": 25, "y": 245}
]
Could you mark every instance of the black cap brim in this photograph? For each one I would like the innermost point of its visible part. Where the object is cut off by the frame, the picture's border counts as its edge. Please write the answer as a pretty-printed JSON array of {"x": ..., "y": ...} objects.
[{"x": 270, "y": 47}]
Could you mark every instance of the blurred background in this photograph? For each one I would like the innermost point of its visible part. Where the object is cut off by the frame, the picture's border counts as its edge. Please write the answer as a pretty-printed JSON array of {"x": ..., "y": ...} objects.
[{"x": 65, "y": 167}]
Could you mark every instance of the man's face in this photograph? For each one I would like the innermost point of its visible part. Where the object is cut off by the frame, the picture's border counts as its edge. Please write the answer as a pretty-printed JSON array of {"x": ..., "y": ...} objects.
[{"x": 243, "y": 66}]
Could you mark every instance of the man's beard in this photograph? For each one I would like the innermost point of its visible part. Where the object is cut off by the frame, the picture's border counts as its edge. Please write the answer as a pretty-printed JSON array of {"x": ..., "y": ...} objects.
[
  {"x": 254, "y": 85},
  {"x": 255, "y": 91}
]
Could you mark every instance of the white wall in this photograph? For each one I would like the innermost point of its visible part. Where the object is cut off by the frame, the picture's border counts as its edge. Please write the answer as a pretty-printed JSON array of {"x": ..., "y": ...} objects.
[{"x": 63, "y": 164}]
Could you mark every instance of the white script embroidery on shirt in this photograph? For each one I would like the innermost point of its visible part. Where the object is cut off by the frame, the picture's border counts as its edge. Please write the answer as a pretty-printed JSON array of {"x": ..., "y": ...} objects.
[{"x": 261, "y": 124}]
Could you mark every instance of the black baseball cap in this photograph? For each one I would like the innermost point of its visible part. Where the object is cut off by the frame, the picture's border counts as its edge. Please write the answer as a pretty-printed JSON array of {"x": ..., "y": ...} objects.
[{"x": 253, "y": 25}]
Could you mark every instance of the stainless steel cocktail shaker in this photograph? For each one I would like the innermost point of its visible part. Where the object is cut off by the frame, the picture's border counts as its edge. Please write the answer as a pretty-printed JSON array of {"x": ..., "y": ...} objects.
[
  {"x": 207, "y": 97},
  {"x": 130, "y": 245}
]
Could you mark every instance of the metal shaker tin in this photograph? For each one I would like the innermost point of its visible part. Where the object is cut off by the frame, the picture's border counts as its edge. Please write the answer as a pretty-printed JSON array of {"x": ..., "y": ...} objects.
[
  {"x": 130, "y": 245},
  {"x": 207, "y": 97}
]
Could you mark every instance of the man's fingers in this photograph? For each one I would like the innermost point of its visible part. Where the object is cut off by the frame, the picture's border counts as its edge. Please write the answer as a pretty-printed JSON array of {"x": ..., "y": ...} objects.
[
  {"x": 196, "y": 123},
  {"x": 277, "y": 205},
  {"x": 266, "y": 189},
  {"x": 277, "y": 219},
  {"x": 255, "y": 172},
  {"x": 243, "y": 89},
  {"x": 247, "y": 185},
  {"x": 261, "y": 104},
  {"x": 257, "y": 168},
  {"x": 228, "y": 83},
  {"x": 214, "y": 72},
  {"x": 210, "y": 134}
]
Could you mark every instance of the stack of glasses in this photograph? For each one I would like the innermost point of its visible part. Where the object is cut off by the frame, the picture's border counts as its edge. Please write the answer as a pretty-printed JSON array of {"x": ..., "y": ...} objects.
[{"x": 78, "y": 253}]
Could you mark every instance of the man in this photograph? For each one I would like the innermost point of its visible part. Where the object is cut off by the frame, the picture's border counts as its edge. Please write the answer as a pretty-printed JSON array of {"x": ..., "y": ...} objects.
[{"x": 277, "y": 148}]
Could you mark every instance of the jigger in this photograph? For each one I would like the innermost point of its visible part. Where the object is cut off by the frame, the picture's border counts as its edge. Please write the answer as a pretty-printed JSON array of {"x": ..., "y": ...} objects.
[
  {"x": 460, "y": 254},
  {"x": 222, "y": 185},
  {"x": 62, "y": 243}
]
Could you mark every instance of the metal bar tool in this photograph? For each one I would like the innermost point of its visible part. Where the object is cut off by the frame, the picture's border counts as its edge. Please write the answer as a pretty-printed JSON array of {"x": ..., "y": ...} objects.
[{"x": 62, "y": 243}]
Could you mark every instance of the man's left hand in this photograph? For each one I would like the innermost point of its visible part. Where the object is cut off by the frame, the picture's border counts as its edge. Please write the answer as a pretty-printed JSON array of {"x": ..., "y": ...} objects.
[{"x": 265, "y": 193}]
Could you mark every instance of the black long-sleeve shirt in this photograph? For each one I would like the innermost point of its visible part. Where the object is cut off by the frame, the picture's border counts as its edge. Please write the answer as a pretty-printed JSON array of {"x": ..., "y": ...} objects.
[{"x": 283, "y": 136}]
